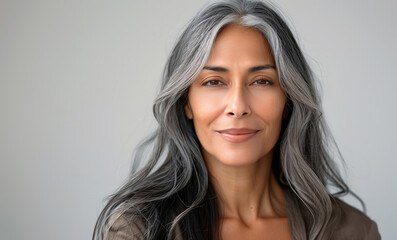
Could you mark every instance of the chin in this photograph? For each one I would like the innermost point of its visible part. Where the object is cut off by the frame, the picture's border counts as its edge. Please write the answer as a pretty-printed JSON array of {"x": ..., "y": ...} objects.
[{"x": 237, "y": 159}]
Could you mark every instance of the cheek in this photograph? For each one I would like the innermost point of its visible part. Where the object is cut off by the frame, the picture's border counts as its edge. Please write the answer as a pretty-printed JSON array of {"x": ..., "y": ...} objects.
[
  {"x": 205, "y": 104},
  {"x": 205, "y": 108},
  {"x": 270, "y": 108},
  {"x": 271, "y": 114}
]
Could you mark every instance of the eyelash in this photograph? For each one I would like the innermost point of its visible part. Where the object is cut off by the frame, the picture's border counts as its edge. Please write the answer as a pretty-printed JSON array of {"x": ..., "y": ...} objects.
[
  {"x": 207, "y": 83},
  {"x": 267, "y": 82},
  {"x": 220, "y": 83}
]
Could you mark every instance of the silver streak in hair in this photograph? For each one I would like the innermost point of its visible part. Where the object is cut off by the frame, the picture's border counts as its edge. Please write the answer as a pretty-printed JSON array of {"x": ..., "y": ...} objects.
[{"x": 172, "y": 196}]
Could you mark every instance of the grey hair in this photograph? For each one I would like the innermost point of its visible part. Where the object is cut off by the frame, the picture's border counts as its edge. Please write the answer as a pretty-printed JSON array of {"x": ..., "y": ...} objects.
[{"x": 172, "y": 193}]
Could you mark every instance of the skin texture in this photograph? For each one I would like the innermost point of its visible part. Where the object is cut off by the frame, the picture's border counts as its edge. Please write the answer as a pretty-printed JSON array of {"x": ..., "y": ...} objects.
[{"x": 233, "y": 92}]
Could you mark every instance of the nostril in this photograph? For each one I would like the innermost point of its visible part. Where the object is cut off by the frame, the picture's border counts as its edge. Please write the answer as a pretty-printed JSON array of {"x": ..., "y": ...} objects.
[{"x": 237, "y": 115}]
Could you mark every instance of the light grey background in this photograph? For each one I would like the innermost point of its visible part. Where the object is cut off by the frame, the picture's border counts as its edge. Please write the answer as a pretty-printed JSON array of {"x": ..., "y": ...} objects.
[{"x": 78, "y": 78}]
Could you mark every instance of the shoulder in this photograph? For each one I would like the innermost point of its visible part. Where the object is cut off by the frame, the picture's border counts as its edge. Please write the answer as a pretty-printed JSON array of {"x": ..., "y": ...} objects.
[
  {"x": 124, "y": 227},
  {"x": 354, "y": 224}
]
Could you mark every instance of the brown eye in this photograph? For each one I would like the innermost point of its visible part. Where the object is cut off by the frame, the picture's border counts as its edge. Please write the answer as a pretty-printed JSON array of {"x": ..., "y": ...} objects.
[
  {"x": 263, "y": 82},
  {"x": 213, "y": 83}
]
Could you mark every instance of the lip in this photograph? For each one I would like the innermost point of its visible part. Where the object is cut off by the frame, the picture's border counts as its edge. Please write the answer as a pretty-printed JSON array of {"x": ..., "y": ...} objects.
[{"x": 237, "y": 135}]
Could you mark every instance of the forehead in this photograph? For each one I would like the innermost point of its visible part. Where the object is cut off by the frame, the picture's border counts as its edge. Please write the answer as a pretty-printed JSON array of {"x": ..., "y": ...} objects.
[{"x": 236, "y": 43}]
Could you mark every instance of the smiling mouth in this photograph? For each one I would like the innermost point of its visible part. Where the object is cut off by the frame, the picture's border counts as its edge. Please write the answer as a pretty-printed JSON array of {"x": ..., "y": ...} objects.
[{"x": 237, "y": 135}]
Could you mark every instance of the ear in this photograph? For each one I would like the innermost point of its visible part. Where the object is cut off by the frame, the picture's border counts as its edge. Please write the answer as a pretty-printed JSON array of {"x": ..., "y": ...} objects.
[{"x": 188, "y": 111}]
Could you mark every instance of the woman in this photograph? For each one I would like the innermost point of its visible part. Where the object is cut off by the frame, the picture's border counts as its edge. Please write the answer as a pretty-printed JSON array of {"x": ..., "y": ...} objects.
[{"x": 242, "y": 149}]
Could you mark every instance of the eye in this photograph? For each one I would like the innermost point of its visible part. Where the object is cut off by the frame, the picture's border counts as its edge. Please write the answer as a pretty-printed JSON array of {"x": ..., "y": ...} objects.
[
  {"x": 263, "y": 82},
  {"x": 213, "y": 83}
]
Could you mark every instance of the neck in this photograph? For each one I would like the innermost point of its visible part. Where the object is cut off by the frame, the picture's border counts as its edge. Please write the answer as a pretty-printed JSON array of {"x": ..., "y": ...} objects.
[{"x": 247, "y": 192}]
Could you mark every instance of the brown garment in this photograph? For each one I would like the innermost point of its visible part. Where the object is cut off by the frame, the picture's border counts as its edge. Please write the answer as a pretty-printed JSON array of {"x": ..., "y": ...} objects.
[{"x": 354, "y": 225}]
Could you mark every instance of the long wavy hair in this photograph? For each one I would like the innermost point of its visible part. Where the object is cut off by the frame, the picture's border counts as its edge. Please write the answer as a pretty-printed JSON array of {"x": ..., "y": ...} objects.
[{"x": 172, "y": 195}]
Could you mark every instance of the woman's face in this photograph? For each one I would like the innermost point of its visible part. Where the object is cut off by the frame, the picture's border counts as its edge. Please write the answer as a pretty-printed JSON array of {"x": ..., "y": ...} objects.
[{"x": 236, "y": 102}]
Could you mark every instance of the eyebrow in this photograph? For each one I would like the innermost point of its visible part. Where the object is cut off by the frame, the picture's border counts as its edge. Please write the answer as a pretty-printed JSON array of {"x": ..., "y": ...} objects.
[{"x": 252, "y": 69}]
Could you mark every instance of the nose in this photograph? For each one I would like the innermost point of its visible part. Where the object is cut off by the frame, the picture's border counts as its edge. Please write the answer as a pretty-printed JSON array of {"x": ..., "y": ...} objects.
[{"x": 237, "y": 103}]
